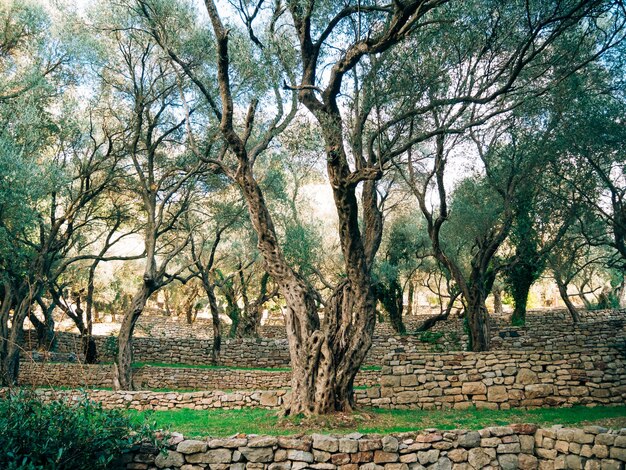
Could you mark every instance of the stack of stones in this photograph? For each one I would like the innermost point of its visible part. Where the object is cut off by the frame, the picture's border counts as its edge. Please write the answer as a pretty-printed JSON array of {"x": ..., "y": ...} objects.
[{"x": 514, "y": 447}]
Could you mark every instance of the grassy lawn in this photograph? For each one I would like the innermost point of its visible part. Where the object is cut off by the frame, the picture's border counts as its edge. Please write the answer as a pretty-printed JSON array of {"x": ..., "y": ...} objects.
[{"x": 195, "y": 423}]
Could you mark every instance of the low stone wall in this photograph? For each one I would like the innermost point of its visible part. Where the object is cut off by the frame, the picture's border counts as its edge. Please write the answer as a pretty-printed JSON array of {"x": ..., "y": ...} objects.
[
  {"x": 513, "y": 447},
  {"x": 240, "y": 352},
  {"x": 148, "y": 400},
  {"x": 544, "y": 331},
  {"x": 179, "y": 378},
  {"x": 501, "y": 379}
]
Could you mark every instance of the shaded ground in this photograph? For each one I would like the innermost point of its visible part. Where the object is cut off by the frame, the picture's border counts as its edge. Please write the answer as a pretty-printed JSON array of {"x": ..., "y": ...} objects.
[{"x": 193, "y": 423}]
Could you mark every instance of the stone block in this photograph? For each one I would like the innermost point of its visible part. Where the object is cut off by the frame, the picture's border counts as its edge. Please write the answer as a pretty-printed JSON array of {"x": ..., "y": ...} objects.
[
  {"x": 299, "y": 455},
  {"x": 478, "y": 458},
  {"x": 497, "y": 394},
  {"x": 170, "y": 459},
  {"x": 538, "y": 391},
  {"x": 528, "y": 462},
  {"x": 508, "y": 461},
  {"x": 429, "y": 456},
  {"x": 458, "y": 455},
  {"x": 348, "y": 445},
  {"x": 390, "y": 444},
  {"x": 370, "y": 444},
  {"x": 380, "y": 456},
  {"x": 469, "y": 440},
  {"x": 326, "y": 443},
  {"x": 526, "y": 377},
  {"x": 257, "y": 454},
  {"x": 474, "y": 388},
  {"x": 191, "y": 447}
]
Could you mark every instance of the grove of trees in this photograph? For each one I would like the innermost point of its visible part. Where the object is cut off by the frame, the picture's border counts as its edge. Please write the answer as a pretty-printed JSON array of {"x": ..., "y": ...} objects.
[{"x": 327, "y": 158}]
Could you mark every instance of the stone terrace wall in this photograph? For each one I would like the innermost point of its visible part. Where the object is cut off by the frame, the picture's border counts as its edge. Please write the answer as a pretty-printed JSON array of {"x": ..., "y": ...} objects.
[
  {"x": 149, "y": 400},
  {"x": 516, "y": 447},
  {"x": 247, "y": 352},
  {"x": 240, "y": 352},
  {"x": 555, "y": 331},
  {"x": 501, "y": 379},
  {"x": 179, "y": 378},
  {"x": 546, "y": 332}
]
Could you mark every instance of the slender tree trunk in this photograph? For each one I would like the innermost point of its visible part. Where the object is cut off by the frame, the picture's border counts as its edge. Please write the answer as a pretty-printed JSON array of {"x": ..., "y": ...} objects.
[
  {"x": 566, "y": 300},
  {"x": 215, "y": 318},
  {"x": 11, "y": 362},
  {"x": 5, "y": 309},
  {"x": 411, "y": 295},
  {"x": 89, "y": 345},
  {"x": 621, "y": 296},
  {"x": 123, "y": 368},
  {"x": 497, "y": 301}
]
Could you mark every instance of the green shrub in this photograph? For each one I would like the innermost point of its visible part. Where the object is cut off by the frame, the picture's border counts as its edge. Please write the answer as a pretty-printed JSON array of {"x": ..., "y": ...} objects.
[{"x": 64, "y": 434}]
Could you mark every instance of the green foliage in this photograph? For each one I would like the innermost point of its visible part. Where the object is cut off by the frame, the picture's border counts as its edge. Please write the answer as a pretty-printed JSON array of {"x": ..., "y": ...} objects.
[
  {"x": 64, "y": 434},
  {"x": 302, "y": 246},
  {"x": 431, "y": 337}
]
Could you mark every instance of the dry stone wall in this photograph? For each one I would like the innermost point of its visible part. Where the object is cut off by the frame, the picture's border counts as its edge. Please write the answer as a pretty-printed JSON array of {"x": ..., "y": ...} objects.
[
  {"x": 544, "y": 331},
  {"x": 501, "y": 380},
  {"x": 160, "y": 401},
  {"x": 178, "y": 378},
  {"x": 520, "y": 446}
]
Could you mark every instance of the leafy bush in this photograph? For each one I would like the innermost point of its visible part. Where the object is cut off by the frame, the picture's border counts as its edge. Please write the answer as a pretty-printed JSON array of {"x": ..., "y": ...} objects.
[{"x": 64, "y": 434}]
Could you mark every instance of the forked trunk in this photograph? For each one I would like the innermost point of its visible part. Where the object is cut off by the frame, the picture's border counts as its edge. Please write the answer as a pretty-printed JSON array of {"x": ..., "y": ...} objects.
[
  {"x": 123, "y": 368},
  {"x": 573, "y": 311}
]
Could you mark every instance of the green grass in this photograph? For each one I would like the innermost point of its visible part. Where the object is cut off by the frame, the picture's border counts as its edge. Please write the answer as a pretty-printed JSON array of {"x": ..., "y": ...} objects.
[
  {"x": 207, "y": 366},
  {"x": 194, "y": 423}
]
